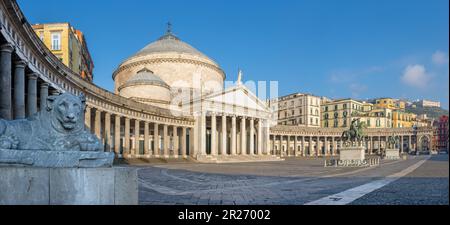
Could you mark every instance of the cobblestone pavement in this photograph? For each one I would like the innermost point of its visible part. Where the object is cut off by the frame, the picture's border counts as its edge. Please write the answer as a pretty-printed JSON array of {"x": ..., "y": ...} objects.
[{"x": 293, "y": 182}]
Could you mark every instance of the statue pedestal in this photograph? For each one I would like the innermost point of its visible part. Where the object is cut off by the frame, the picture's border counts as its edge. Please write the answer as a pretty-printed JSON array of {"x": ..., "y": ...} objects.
[
  {"x": 56, "y": 159},
  {"x": 352, "y": 157},
  {"x": 68, "y": 186},
  {"x": 352, "y": 153},
  {"x": 392, "y": 154}
]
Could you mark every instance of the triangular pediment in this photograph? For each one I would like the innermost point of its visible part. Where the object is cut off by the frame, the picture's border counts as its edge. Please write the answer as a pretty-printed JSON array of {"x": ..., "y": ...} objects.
[{"x": 238, "y": 96}]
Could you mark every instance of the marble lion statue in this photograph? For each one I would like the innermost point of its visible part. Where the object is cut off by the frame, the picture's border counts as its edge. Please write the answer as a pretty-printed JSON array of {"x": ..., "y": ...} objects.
[{"x": 58, "y": 127}]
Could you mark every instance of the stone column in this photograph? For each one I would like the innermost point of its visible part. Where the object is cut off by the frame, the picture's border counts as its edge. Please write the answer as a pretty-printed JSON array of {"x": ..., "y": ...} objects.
[
  {"x": 97, "y": 125},
  {"x": 401, "y": 145},
  {"x": 295, "y": 146},
  {"x": 183, "y": 142},
  {"x": 223, "y": 148},
  {"x": 333, "y": 143},
  {"x": 303, "y": 146},
  {"x": 19, "y": 89},
  {"x": 243, "y": 136},
  {"x": 311, "y": 147},
  {"x": 410, "y": 143},
  {"x": 327, "y": 147},
  {"x": 5, "y": 82},
  {"x": 379, "y": 145},
  {"x": 319, "y": 147},
  {"x": 137, "y": 135},
  {"x": 43, "y": 95},
  {"x": 87, "y": 118},
  {"x": 260, "y": 138},
  {"x": 252, "y": 136},
  {"x": 203, "y": 134},
  {"x": 166, "y": 141},
  {"x": 32, "y": 94},
  {"x": 370, "y": 146},
  {"x": 267, "y": 139},
  {"x": 233, "y": 135},
  {"x": 146, "y": 139},
  {"x": 213, "y": 135},
  {"x": 175, "y": 141},
  {"x": 281, "y": 144},
  {"x": 156, "y": 150},
  {"x": 108, "y": 132},
  {"x": 126, "y": 148},
  {"x": 117, "y": 135}
]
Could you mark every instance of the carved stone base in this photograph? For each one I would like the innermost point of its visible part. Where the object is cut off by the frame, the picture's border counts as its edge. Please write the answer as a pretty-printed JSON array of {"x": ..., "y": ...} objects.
[
  {"x": 68, "y": 186},
  {"x": 352, "y": 154},
  {"x": 56, "y": 159},
  {"x": 392, "y": 154}
]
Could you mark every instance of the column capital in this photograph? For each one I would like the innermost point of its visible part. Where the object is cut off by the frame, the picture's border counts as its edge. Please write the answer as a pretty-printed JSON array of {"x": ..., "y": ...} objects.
[
  {"x": 45, "y": 85},
  {"x": 7, "y": 48},
  {"x": 20, "y": 63},
  {"x": 32, "y": 76}
]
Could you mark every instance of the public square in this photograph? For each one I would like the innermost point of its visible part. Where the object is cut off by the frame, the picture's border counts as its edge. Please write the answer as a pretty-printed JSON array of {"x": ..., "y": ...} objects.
[{"x": 293, "y": 182}]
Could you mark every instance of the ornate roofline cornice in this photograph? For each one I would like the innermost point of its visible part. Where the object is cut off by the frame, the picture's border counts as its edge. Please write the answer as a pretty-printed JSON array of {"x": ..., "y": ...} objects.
[{"x": 165, "y": 60}]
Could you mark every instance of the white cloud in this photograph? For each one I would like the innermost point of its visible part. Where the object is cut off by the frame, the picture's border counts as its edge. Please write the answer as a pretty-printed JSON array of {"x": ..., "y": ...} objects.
[
  {"x": 416, "y": 76},
  {"x": 440, "y": 58}
]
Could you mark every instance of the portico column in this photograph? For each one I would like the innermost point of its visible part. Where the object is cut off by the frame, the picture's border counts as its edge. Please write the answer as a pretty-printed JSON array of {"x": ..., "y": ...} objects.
[
  {"x": 44, "y": 95},
  {"x": 146, "y": 139},
  {"x": 327, "y": 147},
  {"x": 32, "y": 94},
  {"x": 333, "y": 143},
  {"x": 87, "y": 118},
  {"x": 379, "y": 144},
  {"x": 260, "y": 138},
  {"x": 107, "y": 132},
  {"x": 126, "y": 149},
  {"x": 97, "y": 124},
  {"x": 319, "y": 147},
  {"x": 203, "y": 134},
  {"x": 280, "y": 148},
  {"x": 156, "y": 140},
  {"x": 117, "y": 135},
  {"x": 243, "y": 136},
  {"x": 5, "y": 82},
  {"x": 370, "y": 146},
  {"x": 19, "y": 89},
  {"x": 252, "y": 136},
  {"x": 223, "y": 148},
  {"x": 137, "y": 134},
  {"x": 267, "y": 139},
  {"x": 311, "y": 147},
  {"x": 402, "y": 150},
  {"x": 410, "y": 143},
  {"x": 303, "y": 146},
  {"x": 183, "y": 142},
  {"x": 175, "y": 139},
  {"x": 295, "y": 146},
  {"x": 233, "y": 135},
  {"x": 166, "y": 141},
  {"x": 213, "y": 135}
]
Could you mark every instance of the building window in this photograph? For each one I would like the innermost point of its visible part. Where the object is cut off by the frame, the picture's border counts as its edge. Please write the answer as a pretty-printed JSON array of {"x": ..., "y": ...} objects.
[
  {"x": 336, "y": 123},
  {"x": 326, "y": 108},
  {"x": 41, "y": 35},
  {"x": 317, "y": 121},
  {"x": 56, "y": 41}
]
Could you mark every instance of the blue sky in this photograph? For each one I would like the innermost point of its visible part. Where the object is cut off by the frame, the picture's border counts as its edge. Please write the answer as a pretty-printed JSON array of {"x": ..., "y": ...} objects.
[{"x": 347, "y": 48}]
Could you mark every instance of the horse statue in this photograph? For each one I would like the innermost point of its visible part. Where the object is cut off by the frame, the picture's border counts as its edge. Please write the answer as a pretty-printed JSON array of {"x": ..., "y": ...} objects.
[{"x": 355, "y": 133}]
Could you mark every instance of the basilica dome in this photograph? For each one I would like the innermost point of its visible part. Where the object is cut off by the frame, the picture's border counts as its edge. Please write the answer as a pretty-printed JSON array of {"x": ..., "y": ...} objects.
[
  {"x": 175, "y": 63},
  {"x": 146, "y": 87}
]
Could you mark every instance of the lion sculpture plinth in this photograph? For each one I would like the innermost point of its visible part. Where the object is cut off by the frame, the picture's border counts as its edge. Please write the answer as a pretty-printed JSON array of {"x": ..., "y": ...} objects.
[{"x": 54, "y": 137}]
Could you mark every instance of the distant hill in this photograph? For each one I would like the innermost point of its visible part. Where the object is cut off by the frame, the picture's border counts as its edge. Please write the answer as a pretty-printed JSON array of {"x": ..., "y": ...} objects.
[{"x": 432, "y": 112}]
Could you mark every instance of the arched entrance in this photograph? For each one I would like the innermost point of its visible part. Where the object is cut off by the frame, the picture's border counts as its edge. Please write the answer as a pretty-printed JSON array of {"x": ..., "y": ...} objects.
[{"x": 424, "y": 144}]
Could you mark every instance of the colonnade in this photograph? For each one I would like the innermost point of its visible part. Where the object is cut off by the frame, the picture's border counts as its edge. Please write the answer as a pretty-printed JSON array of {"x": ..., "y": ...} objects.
[
  {"x": 131, "y": 137},
  {"x": 315, "y": 145},
  {"x": 232, "y": 135}
]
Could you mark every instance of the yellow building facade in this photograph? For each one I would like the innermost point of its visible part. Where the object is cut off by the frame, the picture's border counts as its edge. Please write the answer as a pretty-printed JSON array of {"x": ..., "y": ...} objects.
[
  {"x": 68, "y": 45},
  {"x": 403, "y": 119}
]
